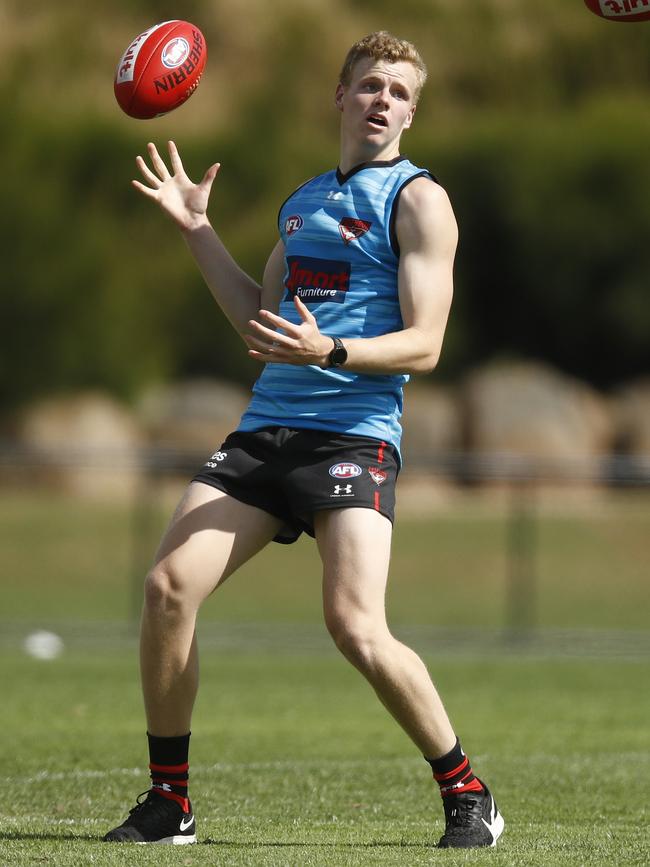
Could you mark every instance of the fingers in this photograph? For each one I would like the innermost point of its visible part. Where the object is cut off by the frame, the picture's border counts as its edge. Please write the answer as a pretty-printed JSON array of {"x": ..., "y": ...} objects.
[
  {"x": 174, "y": 157},
  {"x": 303, "y": 310},
  {"x": 157, "y": 162},
  {"x": 265, "y": 358},
  {"x": 271, "y": 336},
  {"x": 279, "y": 322},
  {"x": 210, "y": 175},
  {"x": 260, "y": 351},
  {"x": 260, "y": 345},
  {"x": 147, "y": 173},
  {"x": 147, "y": 191}
]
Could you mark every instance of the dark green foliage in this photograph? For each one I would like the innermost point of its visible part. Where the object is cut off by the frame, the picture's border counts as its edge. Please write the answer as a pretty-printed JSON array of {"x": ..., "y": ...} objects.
[{"x": 535, "y": 121}]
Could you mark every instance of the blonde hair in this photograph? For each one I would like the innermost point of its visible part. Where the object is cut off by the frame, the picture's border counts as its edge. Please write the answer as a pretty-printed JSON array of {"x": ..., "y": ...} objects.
[{"x": 382, "y": 45}]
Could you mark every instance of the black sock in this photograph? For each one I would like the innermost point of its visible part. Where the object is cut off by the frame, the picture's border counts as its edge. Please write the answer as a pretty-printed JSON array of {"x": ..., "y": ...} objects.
[
  {"x": 169, "y": 767},
  {"x": 453, "y": 772}
]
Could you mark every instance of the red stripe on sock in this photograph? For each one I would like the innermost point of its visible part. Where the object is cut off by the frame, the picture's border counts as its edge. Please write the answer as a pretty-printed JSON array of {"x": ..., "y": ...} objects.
[
  {"x": 461, "y": 767},
  {"x": 458, "y": 789},
  {"x": 169, "y": 769}
]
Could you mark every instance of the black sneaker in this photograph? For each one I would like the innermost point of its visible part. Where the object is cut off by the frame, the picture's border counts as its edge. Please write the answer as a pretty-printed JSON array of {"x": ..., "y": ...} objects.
[
  {"x": 472, "y": 819},
  {"x": 155, "y": 820}
]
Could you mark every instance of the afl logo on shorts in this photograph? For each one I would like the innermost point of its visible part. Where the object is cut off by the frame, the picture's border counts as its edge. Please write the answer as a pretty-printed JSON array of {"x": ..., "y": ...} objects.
[
  {"x": 293, "y": 224},
  {"x": 345, "y": 471}
]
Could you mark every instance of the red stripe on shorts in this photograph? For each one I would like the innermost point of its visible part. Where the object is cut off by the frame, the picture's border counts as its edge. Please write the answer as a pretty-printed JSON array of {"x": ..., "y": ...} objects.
[
  {"x": 377, "y": 500},
  {"x": 380, "y": 452}
]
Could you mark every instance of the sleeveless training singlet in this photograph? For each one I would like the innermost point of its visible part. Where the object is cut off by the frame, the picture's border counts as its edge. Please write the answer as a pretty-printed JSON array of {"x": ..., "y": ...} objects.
[{"x": 342, "y": 258}]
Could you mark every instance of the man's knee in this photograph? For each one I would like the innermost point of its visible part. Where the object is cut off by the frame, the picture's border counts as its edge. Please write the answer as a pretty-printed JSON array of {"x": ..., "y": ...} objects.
[
  {"x": 164, "y": 589},
  {"x": 359, "y": 638}
]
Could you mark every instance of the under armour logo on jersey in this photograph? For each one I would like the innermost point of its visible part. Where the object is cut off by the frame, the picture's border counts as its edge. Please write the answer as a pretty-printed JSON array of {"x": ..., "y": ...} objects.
[{"x": 352, "y": 229}]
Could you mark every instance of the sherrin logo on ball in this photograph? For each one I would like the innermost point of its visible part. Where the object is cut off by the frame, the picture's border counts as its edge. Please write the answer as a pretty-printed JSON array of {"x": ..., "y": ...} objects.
[
  {"x": 160, "y": 70},
  {"x": 620, "y": 10},
  {"x": 175, "y": 52}
]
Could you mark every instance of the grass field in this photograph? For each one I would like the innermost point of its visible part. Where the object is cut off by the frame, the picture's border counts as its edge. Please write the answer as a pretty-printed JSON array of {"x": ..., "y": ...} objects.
[
  {"x": 65, "y": 559},
  {"x": 294, "y": 762}
]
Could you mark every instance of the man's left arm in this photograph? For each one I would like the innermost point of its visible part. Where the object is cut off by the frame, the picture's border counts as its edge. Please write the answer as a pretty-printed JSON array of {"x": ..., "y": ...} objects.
[{"x": 427, "y": 235}]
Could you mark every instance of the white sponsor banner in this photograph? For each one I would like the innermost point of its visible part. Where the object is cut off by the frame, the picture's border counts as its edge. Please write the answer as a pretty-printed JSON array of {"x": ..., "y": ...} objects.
[
  {"x": 614, "y": 8},
  {"x": 126, "y": 66}
]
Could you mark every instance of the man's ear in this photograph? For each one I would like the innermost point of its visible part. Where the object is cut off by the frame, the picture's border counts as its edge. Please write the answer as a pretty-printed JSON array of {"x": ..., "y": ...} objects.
[
  {"x": 338, "y": 96},
  {"x": 409, "y": 117}
]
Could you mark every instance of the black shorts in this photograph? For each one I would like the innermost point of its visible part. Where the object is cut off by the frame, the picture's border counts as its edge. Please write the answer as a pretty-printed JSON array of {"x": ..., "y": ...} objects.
[{"x": 293, "y": 473}]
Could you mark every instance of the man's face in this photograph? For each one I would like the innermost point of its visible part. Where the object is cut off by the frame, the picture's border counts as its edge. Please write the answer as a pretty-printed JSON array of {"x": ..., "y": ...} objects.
[{"x": 378, "y": 104}]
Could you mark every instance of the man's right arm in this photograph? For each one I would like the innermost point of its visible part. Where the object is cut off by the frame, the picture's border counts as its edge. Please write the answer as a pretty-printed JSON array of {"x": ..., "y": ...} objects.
[
  {"x": 238, "y": 295},
  {"x": 185, "y": 202}
]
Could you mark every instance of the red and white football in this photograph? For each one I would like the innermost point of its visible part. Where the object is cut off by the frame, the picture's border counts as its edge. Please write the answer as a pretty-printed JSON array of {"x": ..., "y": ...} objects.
[
  {"x": 160, "y": 69},
  {"x": 620, "y": 10}
]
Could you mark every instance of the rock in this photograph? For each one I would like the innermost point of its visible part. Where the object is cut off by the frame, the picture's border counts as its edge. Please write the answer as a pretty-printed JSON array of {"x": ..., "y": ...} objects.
[
  {"x": 87, "y": 443},
  {"x": 432, "y": 422},
  {"x": 529, "y": 409},
  {"x": 632, "y": 417},
  {"x": 195, "y": 415}
]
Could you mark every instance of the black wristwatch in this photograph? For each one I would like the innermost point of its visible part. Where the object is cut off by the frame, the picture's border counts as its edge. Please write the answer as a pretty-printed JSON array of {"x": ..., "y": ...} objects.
[{"x": 338, "y": 355}]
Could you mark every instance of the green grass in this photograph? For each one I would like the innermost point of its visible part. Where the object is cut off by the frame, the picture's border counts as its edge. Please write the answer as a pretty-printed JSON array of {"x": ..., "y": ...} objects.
[
  {"x": 65, "y": 559},
  {"x": 294, "y": 762}
]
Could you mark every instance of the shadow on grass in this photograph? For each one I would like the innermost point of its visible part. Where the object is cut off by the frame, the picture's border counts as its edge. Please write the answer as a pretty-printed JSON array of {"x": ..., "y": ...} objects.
[
  {"x": 232, "y": 844},
  {"x": 21, "y": 835},
  {"x": 236, "y": 844}
]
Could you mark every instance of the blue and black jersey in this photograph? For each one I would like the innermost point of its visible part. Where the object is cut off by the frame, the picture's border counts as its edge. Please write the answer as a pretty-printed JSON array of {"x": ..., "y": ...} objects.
[{"x": 342, "y": 259}]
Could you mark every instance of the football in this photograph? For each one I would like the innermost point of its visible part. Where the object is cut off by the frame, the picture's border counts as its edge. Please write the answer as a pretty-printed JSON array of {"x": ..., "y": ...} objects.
[
  {"x": 620, "y": 10},
  {"x": 160, "y": 69}
]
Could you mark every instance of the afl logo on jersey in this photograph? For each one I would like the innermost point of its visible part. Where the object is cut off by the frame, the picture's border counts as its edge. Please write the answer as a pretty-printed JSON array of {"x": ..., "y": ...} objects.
[
  {"x": 345, "y": 471},
  {"x": 293, "y": 224}
]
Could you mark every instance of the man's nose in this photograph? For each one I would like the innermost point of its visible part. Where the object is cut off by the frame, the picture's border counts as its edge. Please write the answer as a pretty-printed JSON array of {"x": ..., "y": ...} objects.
[{"x": 381, "y": 97}]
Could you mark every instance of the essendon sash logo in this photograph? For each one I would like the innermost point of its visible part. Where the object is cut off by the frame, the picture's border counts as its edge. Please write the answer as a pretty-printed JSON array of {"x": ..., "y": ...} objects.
[
  {"x": 378, "y": 475},
  {"x": 315, "y": 280},
  {"x": 352, "y": 229}
]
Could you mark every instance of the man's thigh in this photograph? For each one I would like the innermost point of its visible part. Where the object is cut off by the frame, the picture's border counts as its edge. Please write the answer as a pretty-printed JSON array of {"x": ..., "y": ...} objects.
[
  {"x": 354, "y": 545},
  {"x": 210, "y": 536}
]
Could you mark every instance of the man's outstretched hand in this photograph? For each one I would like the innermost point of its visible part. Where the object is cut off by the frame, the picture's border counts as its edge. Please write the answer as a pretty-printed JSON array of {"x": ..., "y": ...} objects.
[{"x": 179, "y": 197}]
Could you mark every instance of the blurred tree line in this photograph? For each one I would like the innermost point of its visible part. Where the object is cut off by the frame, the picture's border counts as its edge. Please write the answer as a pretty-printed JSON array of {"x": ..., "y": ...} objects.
[{"x": 535, "y": 119}]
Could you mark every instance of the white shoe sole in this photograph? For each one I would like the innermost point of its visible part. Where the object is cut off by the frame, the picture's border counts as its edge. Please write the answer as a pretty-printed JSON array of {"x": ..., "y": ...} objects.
[{"x": 178, "y": 840}]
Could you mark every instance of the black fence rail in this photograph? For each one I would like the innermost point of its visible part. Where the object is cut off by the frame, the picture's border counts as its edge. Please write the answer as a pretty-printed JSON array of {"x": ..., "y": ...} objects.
[
  {"x": 464, "y": 467},
  {"x": 524, "y": 477}
]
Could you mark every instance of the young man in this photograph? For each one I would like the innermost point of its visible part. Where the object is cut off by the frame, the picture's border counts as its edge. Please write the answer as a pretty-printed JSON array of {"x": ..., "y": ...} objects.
[{"x": 355, "y": 297}]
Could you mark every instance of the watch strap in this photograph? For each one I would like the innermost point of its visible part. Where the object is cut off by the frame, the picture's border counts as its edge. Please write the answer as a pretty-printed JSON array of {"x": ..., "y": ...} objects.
[{"x": 339, "y": 353}]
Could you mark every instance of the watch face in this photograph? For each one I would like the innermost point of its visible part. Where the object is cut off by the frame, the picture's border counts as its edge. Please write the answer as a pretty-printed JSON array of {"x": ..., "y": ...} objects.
[{"x": 339, "y": 354}]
